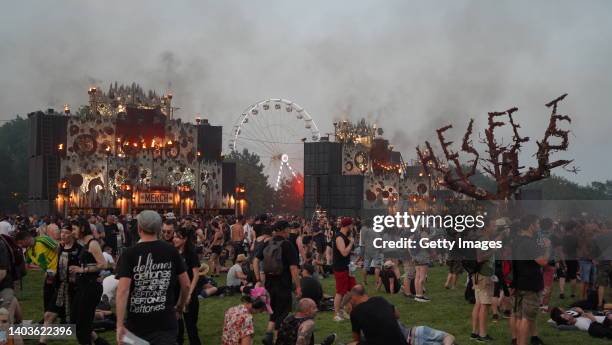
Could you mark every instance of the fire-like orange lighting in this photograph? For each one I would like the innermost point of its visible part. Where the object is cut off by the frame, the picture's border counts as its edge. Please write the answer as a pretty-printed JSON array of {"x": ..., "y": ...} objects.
[{"x": 60, "y": 147}]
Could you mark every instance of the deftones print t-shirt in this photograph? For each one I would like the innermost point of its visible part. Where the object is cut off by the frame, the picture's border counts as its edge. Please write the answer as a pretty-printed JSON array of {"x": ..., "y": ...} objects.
[{"x": 154, "y": 268}]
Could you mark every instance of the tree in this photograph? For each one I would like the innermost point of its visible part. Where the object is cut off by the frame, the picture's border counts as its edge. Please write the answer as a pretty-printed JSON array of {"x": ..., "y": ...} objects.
[
  {"x": 289, "y": 198},
  {"x": 249, "y": 170},
  {"x": 14, "y": 137},
  {"x": 502, "y": 164}
]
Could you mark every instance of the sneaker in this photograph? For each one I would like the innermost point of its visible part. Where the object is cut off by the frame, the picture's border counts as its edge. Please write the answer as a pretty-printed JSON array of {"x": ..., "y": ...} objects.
[
  {"x": 330, "y": 339},
  {"x": 409, "y": 295},
  {"x": 344, "y": 315},
  {"x": 513, "y": 342},
  {"x": 474, "y": 336},
  {"x": 495, "y": 317},
  {"x": 338, "y": 318},
  {"x": 423, "y": 299},
  {"x": 507, "y": 314},
  {"x": 562, "y": 296},
  {"x": 536, "y": 341},
  {"x": 484, "y": 339}
]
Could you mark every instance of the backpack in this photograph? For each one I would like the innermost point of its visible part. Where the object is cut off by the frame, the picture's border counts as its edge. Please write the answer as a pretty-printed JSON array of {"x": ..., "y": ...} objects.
[
  {"x": 273, "y": 258},
  {"x": 471, "y": 266},
  {"x": 16, "y": 259}
]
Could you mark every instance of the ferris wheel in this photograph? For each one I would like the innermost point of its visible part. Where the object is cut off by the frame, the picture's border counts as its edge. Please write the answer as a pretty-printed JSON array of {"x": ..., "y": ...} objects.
[{"x": 275, "y": 129}]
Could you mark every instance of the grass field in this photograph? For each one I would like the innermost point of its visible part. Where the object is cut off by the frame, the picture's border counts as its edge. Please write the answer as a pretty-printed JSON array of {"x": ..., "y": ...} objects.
[{"x": 447, "y": 311}]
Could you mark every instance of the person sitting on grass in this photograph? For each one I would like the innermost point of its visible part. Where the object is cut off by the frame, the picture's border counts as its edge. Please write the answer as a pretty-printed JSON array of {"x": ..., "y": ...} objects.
[
  {"x": 298, "y": 328},
  {"x": 389, "y": 277},
  {"x": 4, "y": 325},
  {"x": 311, "y": 286},
  {"x": 375, "y": 321},
  {"x": 238, "y": 325},
  {"x": 206, "y": 286},
  {"x": 236, "y": 277}
]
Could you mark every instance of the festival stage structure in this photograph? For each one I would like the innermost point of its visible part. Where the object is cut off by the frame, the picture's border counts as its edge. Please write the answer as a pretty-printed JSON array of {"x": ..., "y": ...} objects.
[
  {"x": 360, "y": 174},
  {"x": 125, "y": 152}
]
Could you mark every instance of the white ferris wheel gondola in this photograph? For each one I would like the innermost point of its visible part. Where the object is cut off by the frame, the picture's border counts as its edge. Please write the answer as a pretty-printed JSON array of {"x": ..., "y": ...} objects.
[{"x": 275, "y": 129}]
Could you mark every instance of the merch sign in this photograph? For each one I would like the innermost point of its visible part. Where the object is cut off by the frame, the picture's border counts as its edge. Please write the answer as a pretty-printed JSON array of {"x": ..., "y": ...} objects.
[{"x": 156, "y": 198}]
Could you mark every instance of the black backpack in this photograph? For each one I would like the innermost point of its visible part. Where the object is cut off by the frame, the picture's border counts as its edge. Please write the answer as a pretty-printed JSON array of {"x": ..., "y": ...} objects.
[{"x": 273, "y": 258}]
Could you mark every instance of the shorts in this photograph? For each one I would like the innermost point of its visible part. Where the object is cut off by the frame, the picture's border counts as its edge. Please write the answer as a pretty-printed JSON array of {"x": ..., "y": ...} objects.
[
  {"x": 549, "y": 276},
  {"x": 454, "y": 266},
  {"x": 410, "y": 271},
  {"x": 421, "y": 259},
  {"x": 604, "y": 274},
  {"x": 500, "y": 287},
  {"x": 344, "y": 282},
  {"x": 423, "y": 335},
  {"x": 525, "y": 305},
  {"x": 483, "y": 290},
  {"x": 374, "y": 261},
  {"x": 571, "y": 271},
  {"x": 586, "y": 270},
  {"x": 216, "y": 249}
]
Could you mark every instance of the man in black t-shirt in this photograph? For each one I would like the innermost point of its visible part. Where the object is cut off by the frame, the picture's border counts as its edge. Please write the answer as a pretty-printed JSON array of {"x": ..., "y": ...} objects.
[
  {"x": 374, "y": 321},
  {"x": 311, "y": 286},
  {"x": 148, "y": 274},
  {"x": 528, "y": 281},
  {"x": 110, "y": 233},
  {"x": 279, "y": 285}
]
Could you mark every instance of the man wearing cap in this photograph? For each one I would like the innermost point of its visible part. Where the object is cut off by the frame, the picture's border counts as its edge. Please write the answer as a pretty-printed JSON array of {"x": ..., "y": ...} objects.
[
  {"x": 343, "y": 245},
  {"x": 279, "y": 285}
]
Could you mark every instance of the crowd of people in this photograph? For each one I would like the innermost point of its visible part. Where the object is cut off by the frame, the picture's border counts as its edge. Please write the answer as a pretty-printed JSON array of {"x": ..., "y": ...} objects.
[{"x": 145, "y": 275}]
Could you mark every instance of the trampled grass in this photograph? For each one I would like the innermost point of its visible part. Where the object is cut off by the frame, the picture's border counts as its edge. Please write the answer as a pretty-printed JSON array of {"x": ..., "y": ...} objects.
[{"x": 447, "y": 311}]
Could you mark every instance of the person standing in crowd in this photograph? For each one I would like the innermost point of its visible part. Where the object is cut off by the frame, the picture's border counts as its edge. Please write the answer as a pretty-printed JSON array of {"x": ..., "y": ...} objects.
[
  {"x": 483, "y": 285},
  {"x": 150, "y": 302},
  {"x": 183, "y": 242},
  {"x": 372, "y": 257},
  {"x": 569, "y": 265},
  {"x": 421, "y": 259},
  {"x": 110, "y": 233},
  {"x": 216, "y": 247},
  {"x": 343, "y": 246},
  {"x": 42, "y": 252},
  {"x": 168, "y": 230},
  {"x": 64, "y": 283},
  {"x": 311, "y": 286},
  {"x": 5, "y": 227},
  {"x": 528, "y": 281},
  {"x": 249, "y": 233},
  {"x": 298, "y": 329},
  {"x": 280, "y": 261},
  {"x": 238, "y": 325},
  {"x": 89, "y": 287},
  {"x": 237, "y": 238}
]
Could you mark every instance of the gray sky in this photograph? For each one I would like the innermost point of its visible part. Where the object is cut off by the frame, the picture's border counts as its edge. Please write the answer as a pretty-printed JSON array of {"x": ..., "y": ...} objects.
[{"x": 409, "y": 66}]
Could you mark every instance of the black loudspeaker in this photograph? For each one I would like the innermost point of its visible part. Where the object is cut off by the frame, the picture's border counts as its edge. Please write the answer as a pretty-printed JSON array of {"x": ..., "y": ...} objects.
[
  {"x": 346, "y": 191},
  {"x": 44, "y": 175},
  {"x": 210, "y": 139},
  {"x": 316, "y": 191},
  {"x": 322, "y": 158},
  {"x": 228, "y": 179},
  {"x": 47, "y": 132}
]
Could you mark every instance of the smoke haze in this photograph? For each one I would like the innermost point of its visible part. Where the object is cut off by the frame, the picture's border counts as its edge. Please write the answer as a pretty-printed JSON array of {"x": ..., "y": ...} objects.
[{"x": 408, "y": 66}]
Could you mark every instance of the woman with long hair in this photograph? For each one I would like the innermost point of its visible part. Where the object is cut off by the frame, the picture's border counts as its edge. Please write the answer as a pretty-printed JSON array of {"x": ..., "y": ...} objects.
[
  {"x": 88, "y": 282},
  {"x": 184, "y": 239}
]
